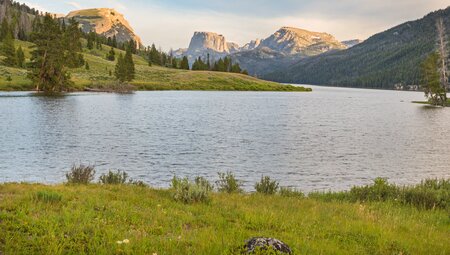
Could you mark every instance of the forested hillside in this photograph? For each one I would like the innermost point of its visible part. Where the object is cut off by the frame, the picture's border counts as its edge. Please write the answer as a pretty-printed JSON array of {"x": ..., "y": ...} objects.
[{"x": 388, "y": 58}]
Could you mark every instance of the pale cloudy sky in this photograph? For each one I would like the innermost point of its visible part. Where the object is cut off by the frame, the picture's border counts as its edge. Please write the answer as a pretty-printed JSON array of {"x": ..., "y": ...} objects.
[{"x": 171, "y": 23}]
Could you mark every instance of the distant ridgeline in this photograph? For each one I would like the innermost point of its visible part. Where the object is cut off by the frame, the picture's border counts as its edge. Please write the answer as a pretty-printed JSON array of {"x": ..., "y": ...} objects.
[{"x": 383, "y": 61}]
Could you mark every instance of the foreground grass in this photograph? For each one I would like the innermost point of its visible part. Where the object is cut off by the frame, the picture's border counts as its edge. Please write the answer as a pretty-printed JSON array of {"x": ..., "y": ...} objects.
[
  {"x": 147, "y": 77},
  {"x": 39, "y": 219}
]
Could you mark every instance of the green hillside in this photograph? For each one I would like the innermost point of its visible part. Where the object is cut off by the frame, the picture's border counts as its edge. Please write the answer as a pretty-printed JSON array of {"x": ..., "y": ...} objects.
[
  {"x": 147, "y": 77},
  {"x": 385, "y": 59}
]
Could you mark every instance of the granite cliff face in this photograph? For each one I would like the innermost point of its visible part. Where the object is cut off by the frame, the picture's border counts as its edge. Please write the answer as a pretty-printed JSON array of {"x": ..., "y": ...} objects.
[
  {"x": 18, "y": 15},
  {"x": 107, "y": 22}
]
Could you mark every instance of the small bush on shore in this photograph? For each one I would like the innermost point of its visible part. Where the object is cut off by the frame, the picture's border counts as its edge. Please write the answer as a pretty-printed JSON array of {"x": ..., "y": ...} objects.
[
  {"x": 267, "y": 186},
  {"x": 114, "y": 178},
  {"x": 202, "y": 181},
  {"x": 291, "y": 192},
  {"x": 82, "y": 174},
  {"x": 228, "y": 183},
  {"x": 189, "y": 192}
]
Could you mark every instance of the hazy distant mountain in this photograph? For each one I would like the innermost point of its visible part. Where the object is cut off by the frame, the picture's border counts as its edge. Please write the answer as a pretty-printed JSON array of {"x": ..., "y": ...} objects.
[
  {"x": 251, "y": 45},
  {"x": 283, "y": 48},
  {"x": 107, "y": 22},
  {"x": 207, "y": 43},
  {"x": 351, "y": 43},
  {"x": 385, "y": 59},
  {"x": 291, "y": 41}
]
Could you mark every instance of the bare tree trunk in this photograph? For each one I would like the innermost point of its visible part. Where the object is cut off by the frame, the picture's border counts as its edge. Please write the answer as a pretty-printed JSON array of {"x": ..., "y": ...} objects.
[{"x": 443, "y": 52}]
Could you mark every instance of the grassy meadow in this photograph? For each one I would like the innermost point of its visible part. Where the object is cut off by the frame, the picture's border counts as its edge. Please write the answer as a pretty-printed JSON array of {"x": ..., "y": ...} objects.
[
  {"x": 147, "y": 77},
  {"x": 133, "y": 219}
]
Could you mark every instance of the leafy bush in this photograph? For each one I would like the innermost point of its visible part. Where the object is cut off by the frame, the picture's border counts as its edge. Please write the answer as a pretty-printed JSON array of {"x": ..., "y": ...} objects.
[
  {"x": 189, "y": 192},
  {"x": 228, "y": 183},
  {"x": 267, "y": 186},
  {"x": 114, "y": 178},
  {"x": 48, "y": 196},
  {"x": 82, "y": 174},
  {"x": 429, "y": 194},
  {"x": 290, "y": 192},
  {"x": 138, "y": 183},
  {"x": 202, "y": 181}
]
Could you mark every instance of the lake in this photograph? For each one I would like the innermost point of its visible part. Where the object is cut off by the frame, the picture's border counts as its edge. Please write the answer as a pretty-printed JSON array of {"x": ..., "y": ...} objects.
[{"x": 330, "y": 139}]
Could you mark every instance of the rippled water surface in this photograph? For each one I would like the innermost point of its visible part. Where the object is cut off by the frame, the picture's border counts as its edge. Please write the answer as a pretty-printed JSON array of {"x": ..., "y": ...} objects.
[{"x": 330, "y": 139}]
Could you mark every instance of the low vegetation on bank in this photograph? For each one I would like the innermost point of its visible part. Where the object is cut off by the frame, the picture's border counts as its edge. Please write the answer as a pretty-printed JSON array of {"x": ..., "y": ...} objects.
[{"x": 196, "y": 216}]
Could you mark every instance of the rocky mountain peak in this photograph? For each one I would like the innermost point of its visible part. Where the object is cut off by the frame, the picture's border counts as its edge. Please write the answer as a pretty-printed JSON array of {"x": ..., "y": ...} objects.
[
  {"x": 290, "y": 40},
  {"x": 208, "y": 41},
  {"x": 107, "y": 22}
]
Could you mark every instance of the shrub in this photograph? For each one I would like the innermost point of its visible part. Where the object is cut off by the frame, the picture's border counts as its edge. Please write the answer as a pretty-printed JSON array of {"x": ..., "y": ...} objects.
[
  {"x": 429, "y": 194},
  {"x": 114, "y": 178},
  {"x": 82, "y": 174},
  {"x": 48, "y": 196},
  {"x": 202, "y": 181},
  {"x": 228, "y": 183},
  {"x": 267, "y": 186},
  {"x": 290, "y": 192},
  {"x": 188, "y": 192},
  {"x": 138, "y": 183}
]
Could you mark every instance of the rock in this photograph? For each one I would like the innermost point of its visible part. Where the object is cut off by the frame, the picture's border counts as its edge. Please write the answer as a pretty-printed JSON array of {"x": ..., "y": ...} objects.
[
  {"x": 107, "y": 22},
  {"x": 264, "y": 243}
]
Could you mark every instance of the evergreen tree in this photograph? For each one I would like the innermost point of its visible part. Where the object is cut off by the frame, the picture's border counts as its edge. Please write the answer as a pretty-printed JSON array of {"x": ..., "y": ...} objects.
[
  {"x": 4, "y": 29},
  {"x": 8, "y": 50},
  {"x": 155, "y": 56},
  {"x": 49, "y": 72},
  {"x": 20, "y": 56},
  {"x": 236, "y": 68},
  {"x": 129, "y": 65},
  {"x": 72, "y": 42},
  {"x": 184, "y": 63},
  {"x": 114, "y": 41},
  {"x": 174, "y": 63},
  {"x": 111, "y": 55},
  {"x": 86, "y": 66},
  {"x": 90, "y": 40},
  {"x": 120, "y": 71},
  {"x": 431, "y": 80}
]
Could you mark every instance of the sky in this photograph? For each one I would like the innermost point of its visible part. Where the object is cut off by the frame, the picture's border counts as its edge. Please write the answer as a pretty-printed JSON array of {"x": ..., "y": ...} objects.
[{"x": 170, "y": 24}]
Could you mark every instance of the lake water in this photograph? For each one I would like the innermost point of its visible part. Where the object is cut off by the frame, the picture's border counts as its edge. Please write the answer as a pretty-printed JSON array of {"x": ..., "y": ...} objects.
[{"x": 332, "y": 138}]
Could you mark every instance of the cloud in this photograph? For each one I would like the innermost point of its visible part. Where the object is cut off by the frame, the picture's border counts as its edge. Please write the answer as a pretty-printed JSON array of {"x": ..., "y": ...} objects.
[{"x": 75, "y": 4}]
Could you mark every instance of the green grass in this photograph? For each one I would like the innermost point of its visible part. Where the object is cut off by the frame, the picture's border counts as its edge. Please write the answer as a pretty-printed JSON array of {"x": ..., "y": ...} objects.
[
  {"x": 90, "y": 219},
  {"x": 147, "y": 77}
]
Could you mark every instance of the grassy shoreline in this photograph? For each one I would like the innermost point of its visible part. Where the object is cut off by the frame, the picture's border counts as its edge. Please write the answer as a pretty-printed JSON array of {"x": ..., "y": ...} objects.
[
  {"x": 91, "y": 219},
  {"x": 100, "y": 75}
]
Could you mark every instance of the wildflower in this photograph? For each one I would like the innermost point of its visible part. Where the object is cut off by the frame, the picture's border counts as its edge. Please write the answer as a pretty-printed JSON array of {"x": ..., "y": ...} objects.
[
  {"x": 119, "y": 242},
  {"x": 126, "y": 241},
  {"x": 159, "y": 205}
]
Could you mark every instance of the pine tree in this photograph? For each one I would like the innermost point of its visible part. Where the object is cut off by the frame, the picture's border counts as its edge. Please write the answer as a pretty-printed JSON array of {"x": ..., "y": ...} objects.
[
  {"x": 72, "y": 42},
  {"x": 8, "y": 50},
  {"x": 431, "y": 83},
  {"x": 120, "y": 70},
  {"x": 174, "y": 63},
  {"x": 48, "y": 71},
  {"x": 236, "y": 68},
  {"x": 129, "y": 65},
  {"x": 86, "y": 66},
  {"x": 90, "y": 40},
  {"x": 4, "y": 29},
  {"x": 111, "y": 55},
  {"x": 114, "y": 42},
  {"x": 184, "y": 63},
  {"x": 20, "y": 56}
]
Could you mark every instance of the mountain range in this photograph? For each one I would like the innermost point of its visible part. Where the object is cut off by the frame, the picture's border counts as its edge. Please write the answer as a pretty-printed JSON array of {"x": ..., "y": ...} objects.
[
  {"x": 285, "y": 46},
  {"x": 289, "y": 55}
]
